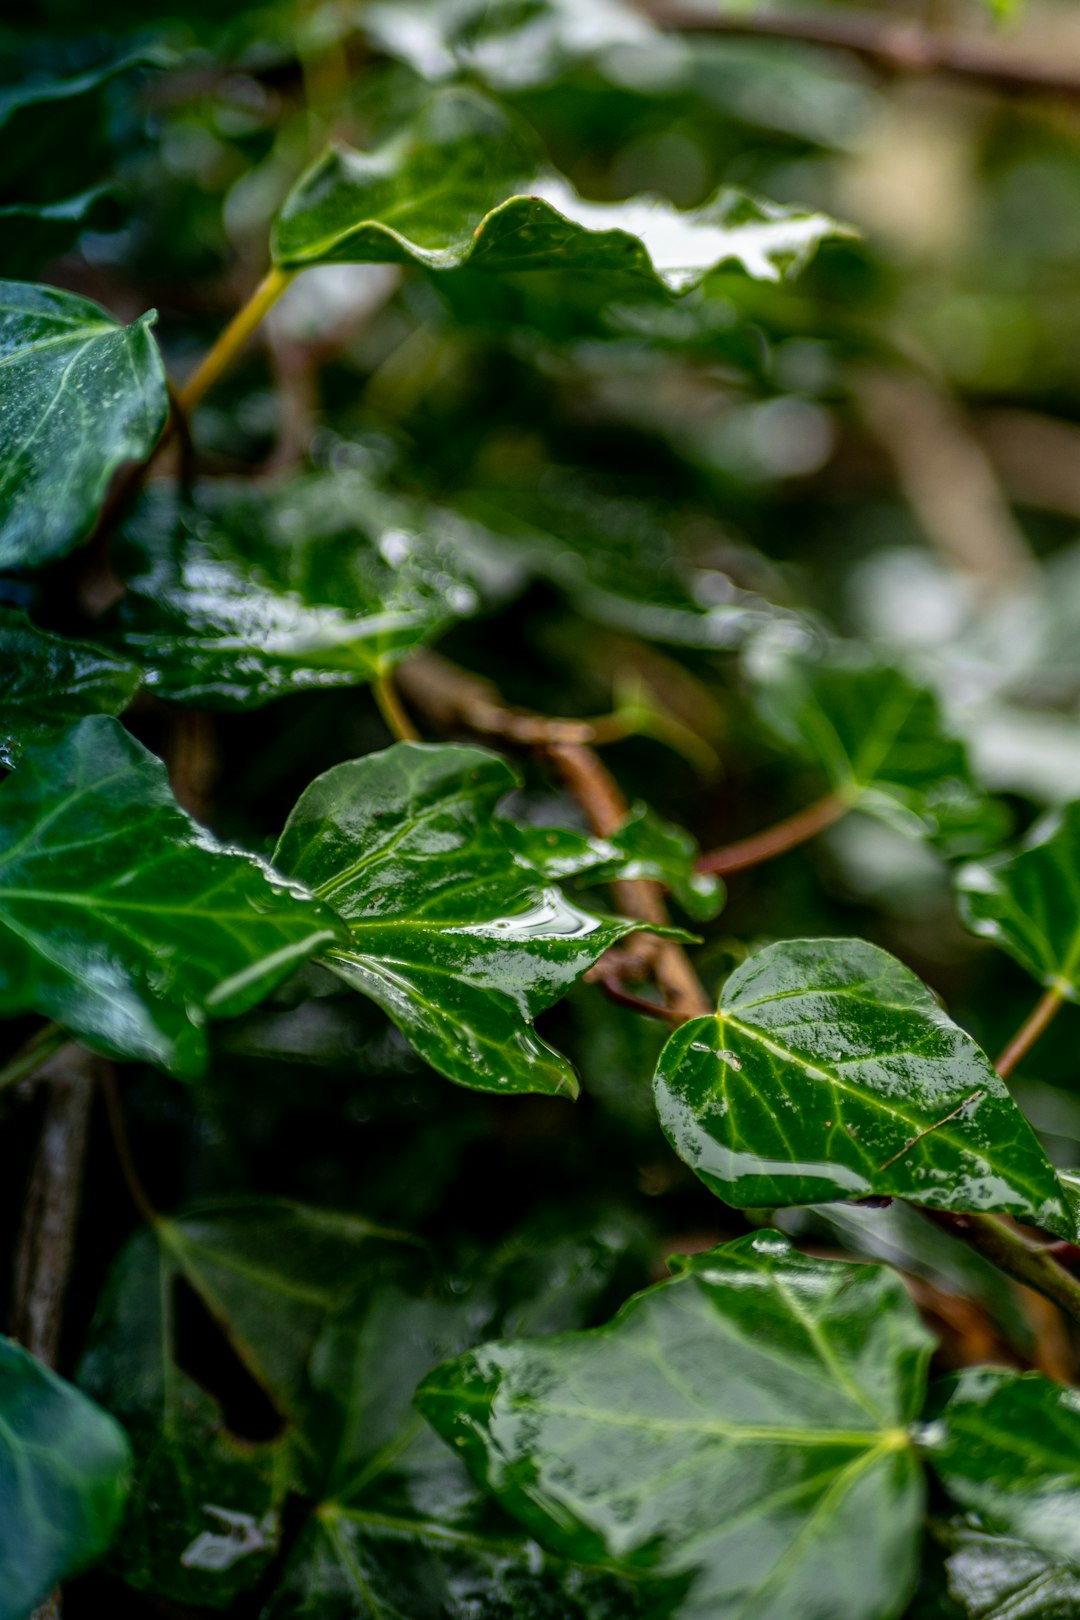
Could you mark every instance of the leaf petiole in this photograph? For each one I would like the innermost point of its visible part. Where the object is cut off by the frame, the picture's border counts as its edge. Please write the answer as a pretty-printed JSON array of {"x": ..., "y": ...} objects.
[
  {"x": 233, "y": 338},
  {"x": 787, "y": 834}
]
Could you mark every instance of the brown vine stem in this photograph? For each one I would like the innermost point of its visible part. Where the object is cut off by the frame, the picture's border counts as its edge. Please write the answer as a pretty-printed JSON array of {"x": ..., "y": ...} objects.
[
  {"x": 33, "y": 1054},
  {"x": 455, "y": 699},
  {"x": 788, "y": 834},
  {"x": 1044, "y": 1011},
  {"x": 118, "y": 1128},
  {"x": 891, "y": 46}
]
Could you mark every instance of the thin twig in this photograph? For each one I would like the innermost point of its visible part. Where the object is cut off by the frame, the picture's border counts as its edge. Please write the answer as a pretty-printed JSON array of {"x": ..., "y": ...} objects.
[
  {"x": 33, "y": 1054},
  {"x": 46, "y": 1242},
  {"x": 455, "y": 699},
  {"x": 1044, "y": 1011},
  {"x": 891, "y": 46},
  {"x": 132, "y": 1179},
  {"x": 787, "y": 834}
]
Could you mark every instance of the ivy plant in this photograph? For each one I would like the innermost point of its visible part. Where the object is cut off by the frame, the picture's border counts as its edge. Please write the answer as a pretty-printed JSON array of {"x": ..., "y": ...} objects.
[{"x": 523, "y": 1094}]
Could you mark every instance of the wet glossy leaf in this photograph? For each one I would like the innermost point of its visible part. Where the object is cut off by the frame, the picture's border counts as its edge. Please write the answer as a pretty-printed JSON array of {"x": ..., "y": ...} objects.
[
  {"x": 878, "y": 737},
  {"x": 1006, "y": 1447},
  {"x": 49, "y": 682},
  {"x": 64, "y": 1475},
  {"x": 80, "y": 394},
  {"x": 999, "y": 1578},
  {"x": 402, "y": 1533},
  {"x": 742, "y": 1426},
  {"x": 504, "y": 44},
  {"x": 466, "y": 185},
  {"x": 1028, "y": 902},
  {"x": 645, "y": 846},
  {"x": 830, "y": 1072},
  {"x": 246, "y": 596},
  {"x": 461, "y": 942},
  {"x": 124, "y": 920},
  {"x": 204, "y": 1518}
]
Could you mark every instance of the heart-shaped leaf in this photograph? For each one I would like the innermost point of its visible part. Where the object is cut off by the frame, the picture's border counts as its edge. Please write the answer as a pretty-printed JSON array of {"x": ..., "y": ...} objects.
[
  {"x": 465, "y": 185},
  {"x": 742, "y": 1427},
  {"x": 64, "y": 1473},
  {"x": 124, "y": 920},
  {"x": 204, "y": 1518},
  {"x": 830, "y": 1072},
  {"x": 49, "y": 682},
  {"x": 1006, "y": 1447},
  {"x": 80, "y": 394},
  {"x": 244, "y": 597},
  {"x": 461, "y": 942},
  {"x": 1028, "y": 902},
  {"x": 877, "y": 735}
]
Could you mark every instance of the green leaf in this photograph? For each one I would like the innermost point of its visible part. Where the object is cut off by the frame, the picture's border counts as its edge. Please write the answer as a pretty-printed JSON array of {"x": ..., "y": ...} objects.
[
  {"x": 505, "y": 44},
  {"x": 80, "y": 394},
  {"x": 999, "y": 1578},
  {"x": 33, "y": 233},
  {"x": 248, "y": 595},
  {"x": 124, "y": 920},
  {"x": 204, "y": 1518},
  {"x": 1028, "y": 902},
  {"x": 49, "y": 682},
  {"x": 645, "y": 846},
  {"x": 1006, "y": 1447},
  {"x": 830, "y": 1072},
  {"x": 401, "y": 1532},
  {"x": 64, "y": 1474},
  {"x": 466, "y": 186},
  {"x": 878, "y": 737},
  {"x": 742, "y": 1426},
  {"x": 457, "y": 939}
]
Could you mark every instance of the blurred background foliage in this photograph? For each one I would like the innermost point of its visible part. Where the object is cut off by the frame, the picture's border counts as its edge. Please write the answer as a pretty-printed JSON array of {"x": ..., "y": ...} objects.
[{"x": 891, "y": 446}]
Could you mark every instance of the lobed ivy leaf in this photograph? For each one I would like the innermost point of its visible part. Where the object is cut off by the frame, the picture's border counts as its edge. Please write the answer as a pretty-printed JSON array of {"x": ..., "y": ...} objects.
[
  {"x": 1028, "y": 902},
  {"x": 645, "y": 846},
  {"x": 879, "y": 738},
  {"x": 458, "y": 939},
  {"x": 1000, "y": 1578},
  {"x": 830, "y": 1072},
  {"x": 64, "y": 1475},
  {"x": 204, "y": 1518},
  {"x": 401, "y": 1532},
  {"x": 243, "y": 596},
  {"x": 742, "y": 1428},
  {"x": 466, "y": 186},
  {"x": 1006, "y": 1447},
  {"x": 49, "y": 682},
  {"x": 124, "y": 920},
  {"x": 80, "y": 394}
]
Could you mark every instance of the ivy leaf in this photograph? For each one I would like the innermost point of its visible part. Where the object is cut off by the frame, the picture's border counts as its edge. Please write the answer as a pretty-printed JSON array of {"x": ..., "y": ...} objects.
[
  {"x": 204, "y": 1518},
  {"x": 33, "y": 233},
  {"x": 466, "y": 186},
  {"x": 1028, "y": 902},
  {"x": 49, "y": 682},
  {"x": 742, "y": 1426},
  {"x": 458, "y": 940},
  {"x": 244, "y": 597},
  {"x": 999, "y": 1578},
  {"x": 124, "y": 920},
  {"x": 401, "y": 1530},
  {"x": 504, "y": 44},
  {"x": 830, "y": 1072},
  {"x": 64, "y": 1474},
  {"x": 1006, "y": 1447},
  {"x": 878, "y": 737},
  {"x": 645, "y": 846},
  {"x": 80, "y": 394}
]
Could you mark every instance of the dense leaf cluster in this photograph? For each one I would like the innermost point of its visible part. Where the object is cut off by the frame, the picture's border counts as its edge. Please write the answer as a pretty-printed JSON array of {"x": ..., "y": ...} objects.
[{"x": 543, "y": 376}]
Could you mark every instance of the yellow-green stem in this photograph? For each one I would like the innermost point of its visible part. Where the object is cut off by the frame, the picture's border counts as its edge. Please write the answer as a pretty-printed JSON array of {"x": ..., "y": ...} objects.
[
  {"x": 397, "y": 721},
  {"x": 233, "y": 338}
]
